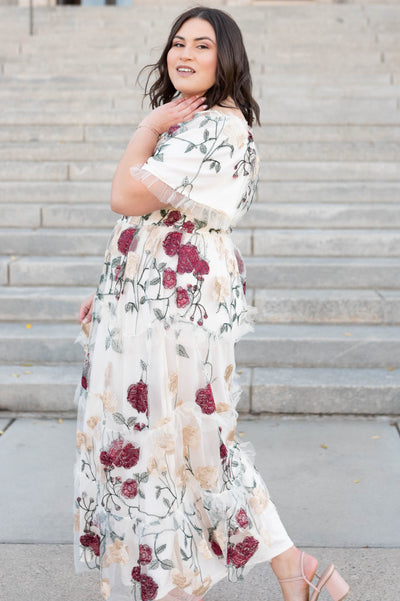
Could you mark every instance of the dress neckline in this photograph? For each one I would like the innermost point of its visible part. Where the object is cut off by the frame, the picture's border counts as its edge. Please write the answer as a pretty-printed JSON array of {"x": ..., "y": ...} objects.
[{"x": 226, "y": 115}]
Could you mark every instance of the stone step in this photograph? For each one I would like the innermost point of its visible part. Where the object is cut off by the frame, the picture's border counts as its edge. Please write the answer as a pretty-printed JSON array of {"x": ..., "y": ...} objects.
[
  {"x": 262, "y": 272},
  {"x": 324, "y": 243},
  {"x": 298, "y": 152},
  {"x": 270, "y": 345},
  {"x": 269, "y": 192},
  {"x": 52, "y": 241},
  {"x": 327, "y": 191},
  {"x": 103, "y": 170},
  {"x": 272, "y": 390},
  {"x": 260, "y": 215},
  {"x": 46, "y": 303},
  {"x": 369, "y": 135},
  {"x": 382, "y": 112},
  {"x": 327, "y": 306}
]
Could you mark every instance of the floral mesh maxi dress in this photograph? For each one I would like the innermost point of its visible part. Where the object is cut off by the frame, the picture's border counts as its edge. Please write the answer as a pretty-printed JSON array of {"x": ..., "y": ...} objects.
[{"x": 167, "y": 500}]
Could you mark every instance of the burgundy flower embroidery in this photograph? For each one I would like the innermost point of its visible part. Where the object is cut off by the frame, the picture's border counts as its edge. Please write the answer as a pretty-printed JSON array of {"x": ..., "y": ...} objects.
[
  {"x": 137, "y": 396},
  {"x": 240, "y": 554},
  {"x": 205, "y": 399},
  {"x": 188, "y": 258},
  {"x": 171, "y": 243},
  {"x": 244, "y": 287},
  {"x": 223, "y": 451},
  {"x": 169, "y": 278},
  {"x": 188, "y": 226},
  {"x": 136, "y": 573},
  {"x": 126, "y": 242},
  {"x": 182, "y": 297},
  {"x": 149, "y": 587},
  {"x": 241, "y": 518},
  {"x": 139, "y": 426},
  {"x": 172, "y": 217},
  {"x": 172, "y": 129},
  {"x": 202, "y": 267},
  {"x": 216, "y": 548},
  {"x": 144, "y": 554},
  {"x": 239, "y": 261},
  {"x": 92, "y": 540},
  {"x": 84, "y": 382},
  {"x": 119, "y": 455},
  {"x": 129, "y": 488}
]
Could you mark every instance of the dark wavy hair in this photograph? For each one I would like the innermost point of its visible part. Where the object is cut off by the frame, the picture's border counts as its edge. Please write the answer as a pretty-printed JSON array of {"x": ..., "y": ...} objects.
[{"x": 232, "y": 76}]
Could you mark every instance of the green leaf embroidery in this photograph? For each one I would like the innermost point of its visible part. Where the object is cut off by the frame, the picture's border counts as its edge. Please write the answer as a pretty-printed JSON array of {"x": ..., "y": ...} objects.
[
  {"x": 119, "y": 418},
  {"x": 182, "y": 351},
  {"x": 158, "y": 313}
]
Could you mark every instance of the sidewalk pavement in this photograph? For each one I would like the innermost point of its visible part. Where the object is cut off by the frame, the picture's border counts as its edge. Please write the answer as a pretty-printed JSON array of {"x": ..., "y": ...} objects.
[{"x": 335, "y": 481}]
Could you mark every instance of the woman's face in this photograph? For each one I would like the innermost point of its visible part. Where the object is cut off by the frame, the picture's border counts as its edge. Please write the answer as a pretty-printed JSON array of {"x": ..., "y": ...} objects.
[{"x": 192, "y": 58}]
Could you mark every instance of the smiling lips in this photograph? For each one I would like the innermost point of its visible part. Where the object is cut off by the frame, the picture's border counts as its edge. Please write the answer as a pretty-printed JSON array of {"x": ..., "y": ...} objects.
[{"x": 185, "y": 70}]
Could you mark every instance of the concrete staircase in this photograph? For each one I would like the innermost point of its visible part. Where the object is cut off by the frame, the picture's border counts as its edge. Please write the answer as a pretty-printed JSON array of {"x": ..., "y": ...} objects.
[{"x": 321, "y": 243}]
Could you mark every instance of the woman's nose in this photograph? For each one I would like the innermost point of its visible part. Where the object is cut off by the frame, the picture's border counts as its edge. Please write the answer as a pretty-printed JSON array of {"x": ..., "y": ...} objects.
[{"x": 187, "y": 52}]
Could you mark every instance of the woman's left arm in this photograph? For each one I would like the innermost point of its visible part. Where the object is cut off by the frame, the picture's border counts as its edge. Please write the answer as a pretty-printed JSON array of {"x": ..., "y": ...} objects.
[{"x": 130, "y": 196}]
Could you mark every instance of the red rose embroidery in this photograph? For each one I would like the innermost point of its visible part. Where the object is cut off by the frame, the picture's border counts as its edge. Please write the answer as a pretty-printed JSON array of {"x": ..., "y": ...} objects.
[
  {"x": 119, "y": 455},
  {"x": 202, "y": 267},
  {"x": 240, "y": 554},
  {"x": 137, "y": 396},
  {"x": 126, "y": 242},
  {"x": 216, "y": 548},
  {"x": 188, "y": 226},
  {"x": 149, "y": 587},
  {"x": 239, "y": 261},
  {"x": 182, "y": 297},
  {"x": 188, "y": 258},
  {"x": 136, "y": 573},
  {"x": 223, "y": 452},
  {"x": 139, "y": 427},
  {"x": 129, "y": 488},
  {"x": 92, "y": 540},
  {"x": 84, "y": 382},
  {"x": 144, "y": 554},
  {"x": 172, "y": 129},
  {"x": 205, "y": 399},
  {"x": 241, "y": 518},
  {"x": 171, "y": 243},
  {"x": 169, "y": 278},
  {"x": 172, "y": 217}
]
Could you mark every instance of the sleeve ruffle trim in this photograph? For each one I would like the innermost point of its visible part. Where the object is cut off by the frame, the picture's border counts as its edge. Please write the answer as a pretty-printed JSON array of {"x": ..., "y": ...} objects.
[{"x": 193, "y": 209}]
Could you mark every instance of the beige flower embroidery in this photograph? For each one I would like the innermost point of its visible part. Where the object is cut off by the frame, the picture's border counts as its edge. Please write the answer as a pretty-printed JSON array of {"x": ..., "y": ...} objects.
[
  {"x": 107, "y": 375},
  {"x": 220, "y": 243},
  {"x": 191, "y": 436},
  {"x": 236, "y": 136},
  {"x": 203, "y": 588},
  {"x": 105, "y": 588},
  {"x": 221, "y": 288},
  {"x": 180, "y": 476},
  {"x": 157, "y": 466},
  {"x": 181, "y": 578},
  {"x": 228, "y": 372},
  {"x": 206, "y": 475},
  {"x": 114, "y": 242},
  {"x": 153, "y": 241},
  {"x": 165, "y": 441},
  {"x": 116, "y": 553},
  {"x": 221, "y": 407},
  {"x": 132, "y": 264},
  {"x": 266, "y": 537},
  {"x": 232, "y": 265},
  {"x": 173, "y": 383},
  {"x": 92, "y": 421},
  {"x": 231, "y": 435},
  {"x": 204, "y": 549},
  {"x": 77, "y": 521},
  {"x": 220, "y": 535},
  {"x": 110, "y": 402},
  {"x": 162, "y": 421},
  {"x": 259, "y": 500},
  {"x": 80, "y": 439}
]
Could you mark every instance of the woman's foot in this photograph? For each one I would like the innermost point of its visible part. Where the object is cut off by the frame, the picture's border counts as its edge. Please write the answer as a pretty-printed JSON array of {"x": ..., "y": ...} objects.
[{"x": 288, "y": 565}]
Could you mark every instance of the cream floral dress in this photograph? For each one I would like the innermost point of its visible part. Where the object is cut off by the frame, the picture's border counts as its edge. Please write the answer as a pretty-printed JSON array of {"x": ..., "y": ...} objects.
[{"x": 167, "y": 499}]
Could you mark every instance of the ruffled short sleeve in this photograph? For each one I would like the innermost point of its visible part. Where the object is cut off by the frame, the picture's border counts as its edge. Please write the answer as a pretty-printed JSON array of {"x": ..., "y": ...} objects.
[{"x": 207, "y": 166}]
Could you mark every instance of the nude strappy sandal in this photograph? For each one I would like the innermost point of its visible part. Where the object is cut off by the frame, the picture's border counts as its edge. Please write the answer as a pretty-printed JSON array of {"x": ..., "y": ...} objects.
[{"x": 336, "y": 586}]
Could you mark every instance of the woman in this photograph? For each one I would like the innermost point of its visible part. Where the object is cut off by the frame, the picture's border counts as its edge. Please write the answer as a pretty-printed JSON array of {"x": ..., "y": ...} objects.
[{"x": 167, "y": 500}]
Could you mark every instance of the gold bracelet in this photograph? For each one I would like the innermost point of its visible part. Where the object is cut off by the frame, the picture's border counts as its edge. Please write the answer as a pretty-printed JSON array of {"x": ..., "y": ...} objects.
[{"x": 151, "y": 129}]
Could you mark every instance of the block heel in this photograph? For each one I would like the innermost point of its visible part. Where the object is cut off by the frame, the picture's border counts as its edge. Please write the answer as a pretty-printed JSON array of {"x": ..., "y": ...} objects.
[{"x": 337, "y": 587}]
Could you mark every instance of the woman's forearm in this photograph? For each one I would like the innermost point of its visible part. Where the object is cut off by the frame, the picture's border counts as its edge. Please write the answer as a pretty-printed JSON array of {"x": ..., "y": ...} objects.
[{"x": 129, "y": 196}]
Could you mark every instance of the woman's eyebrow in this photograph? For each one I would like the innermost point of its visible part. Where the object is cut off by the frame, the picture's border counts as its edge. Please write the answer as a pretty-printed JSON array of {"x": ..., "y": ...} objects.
[{"x": 195, "y": 39}]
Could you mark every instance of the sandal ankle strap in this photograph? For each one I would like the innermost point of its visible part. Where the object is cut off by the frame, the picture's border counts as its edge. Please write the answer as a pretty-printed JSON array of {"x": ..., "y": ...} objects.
[{"x": 302, "y": 577}]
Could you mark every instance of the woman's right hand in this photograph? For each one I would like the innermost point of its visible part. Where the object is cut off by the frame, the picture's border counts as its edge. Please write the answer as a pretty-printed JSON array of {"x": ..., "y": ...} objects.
[
  {"x": 86, "y": 310},
  {"x": 173, "y": 112}
]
